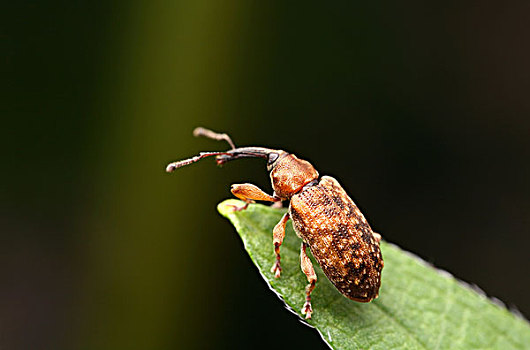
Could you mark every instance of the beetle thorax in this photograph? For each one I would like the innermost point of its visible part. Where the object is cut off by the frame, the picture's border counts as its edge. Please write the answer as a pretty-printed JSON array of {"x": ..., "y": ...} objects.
[{"x": 290, "y": 175}]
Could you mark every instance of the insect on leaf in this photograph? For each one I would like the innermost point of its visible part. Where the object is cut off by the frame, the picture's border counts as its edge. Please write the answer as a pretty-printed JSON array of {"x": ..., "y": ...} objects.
[{"x": 419, "y": 307}]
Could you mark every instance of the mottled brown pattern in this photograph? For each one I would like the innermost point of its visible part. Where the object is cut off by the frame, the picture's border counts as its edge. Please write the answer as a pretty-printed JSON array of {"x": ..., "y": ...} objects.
[{"x": 339, "y": 237}]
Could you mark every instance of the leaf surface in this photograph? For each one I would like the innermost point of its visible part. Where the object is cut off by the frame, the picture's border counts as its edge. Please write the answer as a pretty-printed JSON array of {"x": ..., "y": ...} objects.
[{"x": 419, "y": 307}]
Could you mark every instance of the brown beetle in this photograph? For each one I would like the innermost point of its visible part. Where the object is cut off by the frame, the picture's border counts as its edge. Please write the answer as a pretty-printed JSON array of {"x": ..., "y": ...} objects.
[{"x": 323, "y": 215}]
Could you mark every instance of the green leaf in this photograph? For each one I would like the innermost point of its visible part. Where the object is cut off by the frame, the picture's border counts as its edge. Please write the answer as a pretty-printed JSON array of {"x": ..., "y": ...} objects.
[{"x": 419, "y": 307}]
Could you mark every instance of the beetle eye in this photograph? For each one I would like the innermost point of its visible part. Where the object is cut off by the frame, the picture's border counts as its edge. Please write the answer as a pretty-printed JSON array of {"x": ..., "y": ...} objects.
[{"x": 272, "y": 158}]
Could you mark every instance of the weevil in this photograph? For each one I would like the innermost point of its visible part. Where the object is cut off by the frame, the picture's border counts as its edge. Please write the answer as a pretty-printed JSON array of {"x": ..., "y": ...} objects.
[{"x": 323, "y": 216}]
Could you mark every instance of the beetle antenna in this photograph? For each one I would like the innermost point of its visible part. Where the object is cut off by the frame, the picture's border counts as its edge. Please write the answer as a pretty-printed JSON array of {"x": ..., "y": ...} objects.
[
  {"x": 200, "y": 131},
  {"x": 175, "y": 165},
  {"x": 226, "y": 156},
  {"x": 222, "y": 157}
]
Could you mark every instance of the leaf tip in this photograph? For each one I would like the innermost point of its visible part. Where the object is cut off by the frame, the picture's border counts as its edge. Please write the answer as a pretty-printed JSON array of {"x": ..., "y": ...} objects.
[{"x": 226, "y": 207}]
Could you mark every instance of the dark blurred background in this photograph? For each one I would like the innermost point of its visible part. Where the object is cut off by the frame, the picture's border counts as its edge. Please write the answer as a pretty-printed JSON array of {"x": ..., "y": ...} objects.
[{"x": 421, "y": 110}]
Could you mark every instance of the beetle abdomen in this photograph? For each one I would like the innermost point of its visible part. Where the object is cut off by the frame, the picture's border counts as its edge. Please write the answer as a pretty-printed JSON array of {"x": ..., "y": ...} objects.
[{"x": 339, "y": 237}]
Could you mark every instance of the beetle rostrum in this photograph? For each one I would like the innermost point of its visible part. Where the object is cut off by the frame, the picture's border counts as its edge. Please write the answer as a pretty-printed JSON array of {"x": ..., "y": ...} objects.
[{"x": 323, "y": 216}]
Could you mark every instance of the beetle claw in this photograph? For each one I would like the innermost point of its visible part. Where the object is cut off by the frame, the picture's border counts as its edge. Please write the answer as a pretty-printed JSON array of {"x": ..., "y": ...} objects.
[
  {"x": 276, "y": 269},
  {"x": 236, "y": 208},
  {"x": 307, "y": 310}
]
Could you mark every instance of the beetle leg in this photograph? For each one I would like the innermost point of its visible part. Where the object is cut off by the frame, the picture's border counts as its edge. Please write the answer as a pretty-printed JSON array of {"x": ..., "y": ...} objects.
[
  {"x": 248, "y": 193},
  {"x": 277, "y": 239},
  {"x": 277, "y": 205},
  {"x": 377, "y": 237},
  {"x": 309, "y": 271}
]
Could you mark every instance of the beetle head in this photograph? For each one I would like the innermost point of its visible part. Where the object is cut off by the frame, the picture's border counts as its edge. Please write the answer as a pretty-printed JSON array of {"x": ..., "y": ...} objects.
[
  {"x": 226, "y": 156},
  {"x": 290, "y": 174}
]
